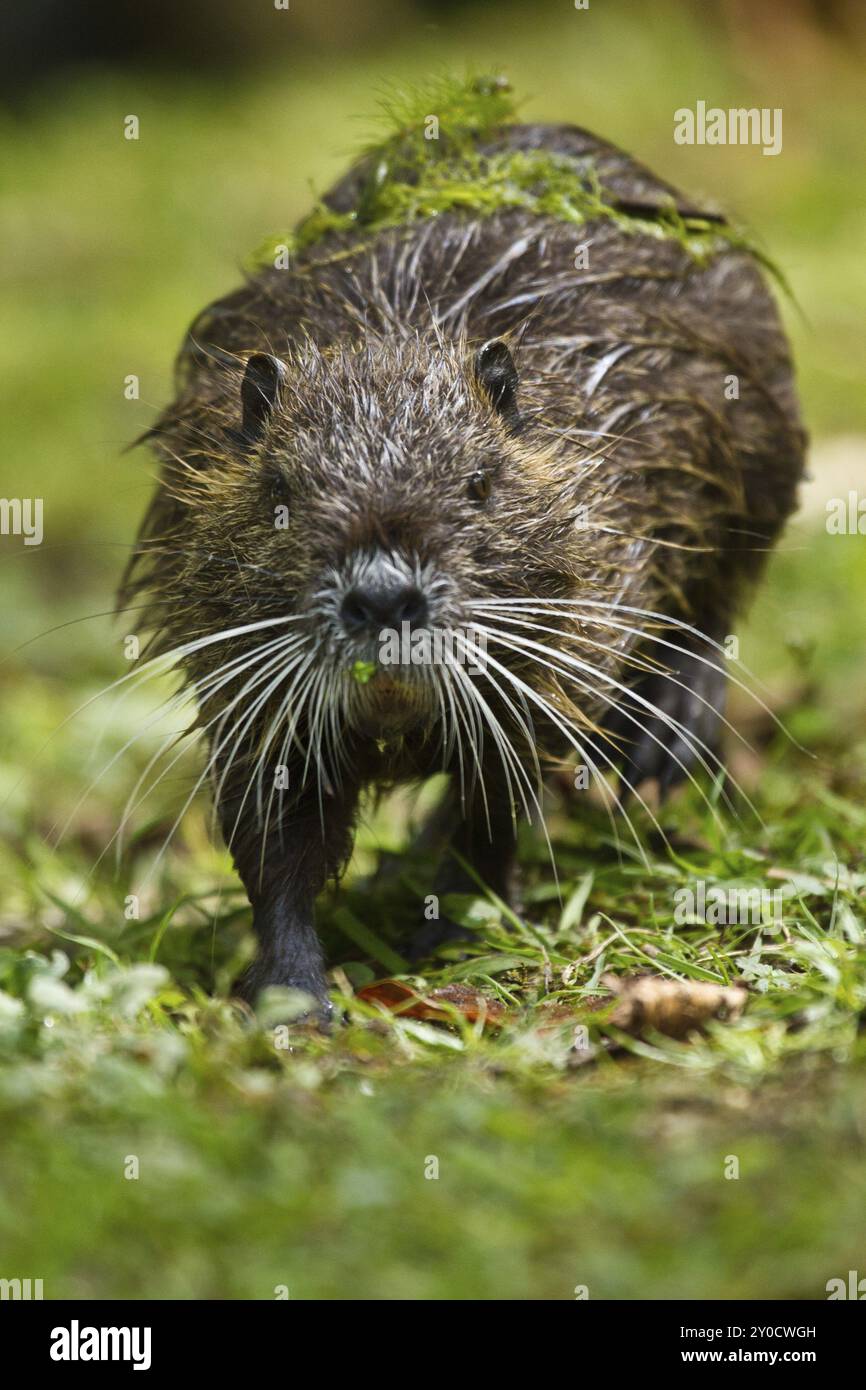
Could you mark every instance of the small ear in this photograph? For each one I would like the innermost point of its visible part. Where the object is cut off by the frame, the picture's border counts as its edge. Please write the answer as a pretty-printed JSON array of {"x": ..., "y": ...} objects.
[
  {"x": 259, "y": 391},
  {"x": 497, "y": 375}
]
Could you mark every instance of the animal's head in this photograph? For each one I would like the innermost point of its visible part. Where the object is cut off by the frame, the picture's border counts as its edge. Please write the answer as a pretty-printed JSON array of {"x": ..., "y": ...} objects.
[
  {"x": 375, "y": 491},
  {"x": 353, "y": 518}
]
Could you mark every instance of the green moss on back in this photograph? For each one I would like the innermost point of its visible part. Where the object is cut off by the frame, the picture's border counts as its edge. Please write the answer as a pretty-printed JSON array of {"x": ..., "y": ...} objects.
[{"x": 411, "y": 176}]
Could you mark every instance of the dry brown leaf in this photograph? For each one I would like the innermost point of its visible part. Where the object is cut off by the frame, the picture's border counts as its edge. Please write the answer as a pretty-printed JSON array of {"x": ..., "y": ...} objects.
[
  {"x": 436, "y": 1005},
  {"x": 673, "y": 1007},
  {"x": 643, "y": 1002}
]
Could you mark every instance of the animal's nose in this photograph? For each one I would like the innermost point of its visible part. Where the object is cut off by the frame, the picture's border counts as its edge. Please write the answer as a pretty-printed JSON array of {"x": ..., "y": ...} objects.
[{"x": 383, "y": 602}]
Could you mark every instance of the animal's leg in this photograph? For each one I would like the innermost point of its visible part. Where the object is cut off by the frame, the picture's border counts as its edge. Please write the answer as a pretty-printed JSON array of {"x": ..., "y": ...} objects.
[
  {"x": 283, "y": 873},
  {"x": 481, "y": 846}
]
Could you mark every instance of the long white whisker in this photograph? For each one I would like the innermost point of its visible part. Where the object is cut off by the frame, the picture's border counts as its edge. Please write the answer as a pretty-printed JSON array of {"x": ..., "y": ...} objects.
[
  {"x": 292, "y": 709},
  {"x": 497, "y": 730},
  {"x": 157, "y": 665},
  {"x": 526, "y": 645},
  {"x": 206, "y": 771},
  {"x": 665, "y": 621},
  {"x": 219, "y": 718},
  {"x": 447, "y": 688},
  {"x": 277, "y": 720},
  {"x": 241, "y": 728},
  {"x": 689, "y": 739},
  {"x": 176, "y": 701},
  {"x": 130, "y": 809},
  {"x": 569, "y": 735},
  {"x": 501, "y": 739},
  {"x": 473, "y": 695},
  {"x": 463, "y": 714}
]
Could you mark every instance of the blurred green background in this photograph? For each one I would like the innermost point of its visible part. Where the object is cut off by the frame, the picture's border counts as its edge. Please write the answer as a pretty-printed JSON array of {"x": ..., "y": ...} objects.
[{"x": 110, "y": 247}]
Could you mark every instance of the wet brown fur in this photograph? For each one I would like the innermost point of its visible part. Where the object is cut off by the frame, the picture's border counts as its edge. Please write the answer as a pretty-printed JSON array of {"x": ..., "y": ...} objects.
[{"x": 622, "y": 373}]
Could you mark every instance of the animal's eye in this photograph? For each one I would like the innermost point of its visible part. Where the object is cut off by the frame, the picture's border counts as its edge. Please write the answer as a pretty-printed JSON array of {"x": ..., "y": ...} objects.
[{"x": 480, "y": 486}]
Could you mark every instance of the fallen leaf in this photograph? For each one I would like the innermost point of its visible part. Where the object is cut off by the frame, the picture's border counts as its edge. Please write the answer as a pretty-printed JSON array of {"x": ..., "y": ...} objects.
[
  {"x": 436, "y": 1005},
  {"x": 673, "y": 1007}
]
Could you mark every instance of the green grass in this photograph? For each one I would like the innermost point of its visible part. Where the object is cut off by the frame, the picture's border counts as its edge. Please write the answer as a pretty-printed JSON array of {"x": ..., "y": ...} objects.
[
  {"x": 559, "y": 1164},
  {"x": 262, "y": 1166}
]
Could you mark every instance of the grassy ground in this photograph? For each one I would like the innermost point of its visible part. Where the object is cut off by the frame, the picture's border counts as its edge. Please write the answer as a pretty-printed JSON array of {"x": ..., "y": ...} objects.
[{"x": 560, "y": 1164}]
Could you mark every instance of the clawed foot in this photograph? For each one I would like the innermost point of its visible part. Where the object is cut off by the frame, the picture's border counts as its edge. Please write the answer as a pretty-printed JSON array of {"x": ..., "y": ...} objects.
[{"x": 317, "y": 1009}]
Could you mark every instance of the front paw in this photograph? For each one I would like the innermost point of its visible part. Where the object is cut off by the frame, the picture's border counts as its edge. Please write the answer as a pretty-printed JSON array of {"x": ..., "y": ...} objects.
[{"x": 297, "y": 998}]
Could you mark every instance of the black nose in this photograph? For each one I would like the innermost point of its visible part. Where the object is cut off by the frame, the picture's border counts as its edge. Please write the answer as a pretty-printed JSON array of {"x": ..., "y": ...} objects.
[{"x": 383, "y": 602}]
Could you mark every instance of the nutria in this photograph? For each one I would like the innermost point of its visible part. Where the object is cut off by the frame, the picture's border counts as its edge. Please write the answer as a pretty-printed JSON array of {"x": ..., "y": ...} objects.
[{"x": 568, "y": 444}]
